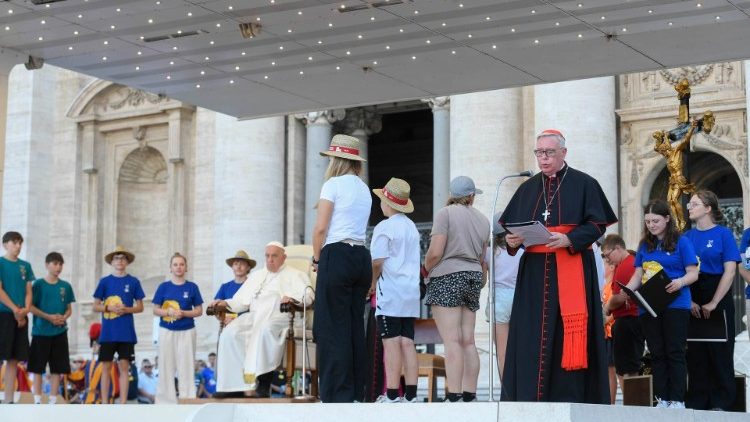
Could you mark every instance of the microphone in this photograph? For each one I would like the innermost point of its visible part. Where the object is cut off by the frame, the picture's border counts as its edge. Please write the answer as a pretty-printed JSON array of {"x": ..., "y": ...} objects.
[{"x": 527, "y": 173}]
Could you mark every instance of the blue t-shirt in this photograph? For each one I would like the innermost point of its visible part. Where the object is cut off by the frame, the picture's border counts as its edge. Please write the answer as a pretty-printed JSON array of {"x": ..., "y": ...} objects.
[
  {"x": 744, "y": 244},
  {"x": 714, "y": 247},
  {"x": 227, "y": 290},
  {"x": 50, "y": 299},
  {"x": 184, "y": 296},
  {"x": 14, "y": 275},
  {"x": 113, "y": 290},
  {"x": 209, "y": 380},
  {"x": 674, "y": 264}
]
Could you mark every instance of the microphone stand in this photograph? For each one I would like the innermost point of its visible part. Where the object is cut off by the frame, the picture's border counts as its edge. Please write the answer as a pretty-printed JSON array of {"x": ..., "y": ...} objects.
[
  {"x": 304, "y": 394},
  {"x": 491, "y": 281}
]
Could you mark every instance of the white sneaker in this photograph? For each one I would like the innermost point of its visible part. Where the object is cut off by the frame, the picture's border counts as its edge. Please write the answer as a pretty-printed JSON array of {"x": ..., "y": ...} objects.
[
  {"x": 384, "y": 399},
  {"x": 661, "y": 404},
  {"x": 414, "y": 400},
  {"x": 676, "y": 405}
]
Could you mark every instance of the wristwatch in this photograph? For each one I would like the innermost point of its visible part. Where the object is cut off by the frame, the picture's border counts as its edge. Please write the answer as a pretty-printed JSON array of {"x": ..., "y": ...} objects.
[{"x": 314, "y": 261}]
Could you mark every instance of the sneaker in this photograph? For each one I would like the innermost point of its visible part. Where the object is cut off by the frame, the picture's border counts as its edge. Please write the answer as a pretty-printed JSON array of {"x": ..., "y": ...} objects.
[
  {"x": 385, "y": 399},
  {"x": 661, "y": 404},
  {"x": 676, "y": 405},
  {"x": 414, "y": 400}
]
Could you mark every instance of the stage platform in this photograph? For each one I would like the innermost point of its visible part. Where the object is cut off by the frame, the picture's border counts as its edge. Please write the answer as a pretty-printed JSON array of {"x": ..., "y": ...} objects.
[{"x": 364, "y": 412}]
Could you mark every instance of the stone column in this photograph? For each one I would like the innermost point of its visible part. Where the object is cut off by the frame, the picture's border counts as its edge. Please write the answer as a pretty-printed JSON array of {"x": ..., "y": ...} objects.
[
  {"x": 89, "y": 263},
  {"x": 441, "y": 143},
  {"x": 584, "y": 111},
  {"x": 180, "y": 135},
  {"x": 8, "y": 60},
  {"x": 29, "y": 161},
  {"x": 361, "y": 124},
  {"x": 486, "y": 142},
  {"x": 248, "y": 188},
  {"x": 318, "y": 138}
]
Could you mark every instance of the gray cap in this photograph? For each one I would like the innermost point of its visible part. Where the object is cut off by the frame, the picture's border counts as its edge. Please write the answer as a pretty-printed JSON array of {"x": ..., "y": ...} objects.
[
  {"x": 463, "y": 186},
  {"x": 496, "y": 227}
]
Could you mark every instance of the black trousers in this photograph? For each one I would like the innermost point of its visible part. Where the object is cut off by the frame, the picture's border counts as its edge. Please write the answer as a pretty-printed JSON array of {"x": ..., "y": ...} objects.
[
  {"x": 711, "y": 365},
  {"x": 666, "y": 336},
  {"x": 344, "y": 276}
]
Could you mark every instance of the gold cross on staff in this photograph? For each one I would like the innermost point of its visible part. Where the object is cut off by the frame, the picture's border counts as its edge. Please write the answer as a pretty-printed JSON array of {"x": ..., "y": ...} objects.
[{"x": 674, "y": 144}]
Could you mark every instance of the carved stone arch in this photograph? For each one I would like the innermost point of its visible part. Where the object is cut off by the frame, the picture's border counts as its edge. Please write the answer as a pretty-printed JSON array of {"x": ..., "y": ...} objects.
[
  {"x": 86, "y": 96},
  {"x": 144, "y": 165}
]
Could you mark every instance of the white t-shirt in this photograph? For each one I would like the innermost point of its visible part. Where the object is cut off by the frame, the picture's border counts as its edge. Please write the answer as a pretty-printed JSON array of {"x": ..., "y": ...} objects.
[
  {"x": 351, "y": 207},
  {"x": 397, "y": 240},
  {"x": 506, "y": 267}
]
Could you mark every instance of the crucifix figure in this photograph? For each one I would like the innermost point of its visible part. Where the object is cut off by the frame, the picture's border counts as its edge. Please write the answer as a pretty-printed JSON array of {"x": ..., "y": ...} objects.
[
  {"x": 546, "y": 215},
  {"x": 674, "y": 144}
]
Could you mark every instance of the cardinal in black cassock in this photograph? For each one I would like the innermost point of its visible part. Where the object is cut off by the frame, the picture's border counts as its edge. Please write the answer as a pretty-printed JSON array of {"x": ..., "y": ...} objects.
[{"x": 556, "y": 350}]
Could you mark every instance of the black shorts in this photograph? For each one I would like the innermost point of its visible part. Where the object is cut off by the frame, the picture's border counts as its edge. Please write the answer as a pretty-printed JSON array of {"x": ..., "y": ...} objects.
[
  {"x": 628, "y": 345},
  {"x": 14, "y": 341},
  {"x": 390, "y": 327},
  {"x": 52, "y": 350},
  {"x": 125, "y": 351}
]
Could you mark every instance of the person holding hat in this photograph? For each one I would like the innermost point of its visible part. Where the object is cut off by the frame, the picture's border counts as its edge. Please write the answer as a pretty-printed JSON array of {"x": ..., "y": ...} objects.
[
  {"x": 177, "y": 302},
  {"x": 506, "y": 271},
  {"x": 556, "y": 350},
  {"x": 395, "y": 283},
  {"x": 241, "y": 265},
  {"x": 455, "y": 262},
  {"x": 251, "y": 347},
  {"x": 344, "y": 274},
  {"x": 117, "y": 296}
]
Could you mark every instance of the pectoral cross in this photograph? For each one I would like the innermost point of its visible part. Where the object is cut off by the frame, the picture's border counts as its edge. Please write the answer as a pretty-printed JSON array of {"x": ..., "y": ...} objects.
[{"x": 546, "y": 214}]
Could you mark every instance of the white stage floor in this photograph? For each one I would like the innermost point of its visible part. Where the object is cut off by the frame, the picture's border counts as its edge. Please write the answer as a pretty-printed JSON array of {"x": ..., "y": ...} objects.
[{"x": 434, "y": 412}]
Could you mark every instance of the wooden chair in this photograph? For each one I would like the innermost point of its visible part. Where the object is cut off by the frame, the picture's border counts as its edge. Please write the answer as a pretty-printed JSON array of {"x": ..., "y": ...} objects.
[
  {"x": 430, "y": 365},
  {"x": 300, "y": 257}
]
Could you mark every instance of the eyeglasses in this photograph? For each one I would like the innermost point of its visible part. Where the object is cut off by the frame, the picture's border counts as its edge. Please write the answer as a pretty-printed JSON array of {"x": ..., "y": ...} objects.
[
  {"x": 147, "y": 366},
  {"x": 605, "y": 255},
  {"x": 119, "y": 257},
  {"x": 548, "y": 152},
  {"x": 691, "y": 205}
]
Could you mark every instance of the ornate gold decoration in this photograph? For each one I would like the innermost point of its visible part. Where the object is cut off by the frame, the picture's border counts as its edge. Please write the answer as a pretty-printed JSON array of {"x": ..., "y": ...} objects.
[{"x": 674, "y": 143}]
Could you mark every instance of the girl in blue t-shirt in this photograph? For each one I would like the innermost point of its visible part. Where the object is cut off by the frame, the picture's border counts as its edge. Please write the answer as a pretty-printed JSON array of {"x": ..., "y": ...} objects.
[
  {"x": 711, "y": 365},
  {"x": 666, "y": 334},
  {"x": 177, "y": 301}
]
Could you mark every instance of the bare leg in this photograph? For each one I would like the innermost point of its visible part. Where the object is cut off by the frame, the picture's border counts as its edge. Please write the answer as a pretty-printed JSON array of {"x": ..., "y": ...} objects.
[
  {"x": 54, "y": 383},
  {"x": 124, "y": 366},
  {"x": 471, "y": 356},
  {"x": 9, "y": 380},
  {"x": 612, "y": 384},
  {"x": 106, "y": 368},
  {"x": 36, "y": 387},
  {"x": 501, "y": 343},
  {"x": 411, "y": 365},
  {"x": 448, "y": 321},
  {"x": 392, "y": 353}
]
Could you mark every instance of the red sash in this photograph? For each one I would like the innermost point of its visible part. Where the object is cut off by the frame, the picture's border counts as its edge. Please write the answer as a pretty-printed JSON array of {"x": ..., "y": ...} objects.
[{"x": 572, "y": 297}]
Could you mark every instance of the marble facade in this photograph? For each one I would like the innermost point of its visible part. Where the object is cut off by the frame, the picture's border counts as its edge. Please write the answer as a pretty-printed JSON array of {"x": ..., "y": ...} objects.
[{"x": 89, "y": 165}]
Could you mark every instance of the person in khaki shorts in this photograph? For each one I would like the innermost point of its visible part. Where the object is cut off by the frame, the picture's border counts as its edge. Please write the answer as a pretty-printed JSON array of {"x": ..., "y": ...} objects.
[{"x": 455, "y": 262}]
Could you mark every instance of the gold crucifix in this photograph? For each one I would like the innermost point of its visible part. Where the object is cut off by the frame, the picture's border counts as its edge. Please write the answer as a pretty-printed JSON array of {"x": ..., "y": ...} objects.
[{"x": 674, "y": 144}]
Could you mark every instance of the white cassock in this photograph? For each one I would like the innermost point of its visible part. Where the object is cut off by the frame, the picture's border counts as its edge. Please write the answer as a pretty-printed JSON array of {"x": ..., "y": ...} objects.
[{"x": 253, "y": 344}]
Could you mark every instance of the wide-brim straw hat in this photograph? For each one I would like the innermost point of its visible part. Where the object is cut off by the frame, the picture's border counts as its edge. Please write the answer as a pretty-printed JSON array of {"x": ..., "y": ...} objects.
[
  {"x": 396, "y": 195},
  {"x": 119, "y": 250},
  {"x": 344, "y": 146},
  {"x": 242, "y": 256}
]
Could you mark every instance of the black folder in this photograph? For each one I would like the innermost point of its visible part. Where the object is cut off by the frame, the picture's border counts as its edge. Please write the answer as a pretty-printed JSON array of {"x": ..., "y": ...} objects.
[
  {"x": 653, "y": 296},
  {"x": 713, "y": 329}
]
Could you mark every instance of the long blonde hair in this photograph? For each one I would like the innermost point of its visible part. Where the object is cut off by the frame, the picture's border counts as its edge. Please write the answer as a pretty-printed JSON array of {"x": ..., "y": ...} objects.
[{"x": 340, "y": 166}]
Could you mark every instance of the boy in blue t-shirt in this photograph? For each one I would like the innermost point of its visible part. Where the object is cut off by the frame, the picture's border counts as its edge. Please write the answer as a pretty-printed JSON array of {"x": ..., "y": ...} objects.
[
  {"x": 51, "y": 299},
  {"x": 241, "y": 265},
  {"x": 16, "y": 277},
  {"x": 118, "y": 296}
]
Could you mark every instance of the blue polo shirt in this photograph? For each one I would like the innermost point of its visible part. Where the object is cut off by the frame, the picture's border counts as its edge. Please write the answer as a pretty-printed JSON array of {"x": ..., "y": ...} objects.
[
  {"x": 112, "y": 290},
  {"x": 673, "y": 263},
  {"x": 183, "y": 296}
]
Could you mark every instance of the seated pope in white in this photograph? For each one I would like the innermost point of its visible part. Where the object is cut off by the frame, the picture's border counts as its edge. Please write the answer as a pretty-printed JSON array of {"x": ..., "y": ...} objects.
[{"x": 253, "y": 344}]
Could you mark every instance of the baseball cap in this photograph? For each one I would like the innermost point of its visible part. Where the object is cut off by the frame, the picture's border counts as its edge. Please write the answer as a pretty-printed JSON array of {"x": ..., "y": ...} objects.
[{"x": 463, "y": 186}]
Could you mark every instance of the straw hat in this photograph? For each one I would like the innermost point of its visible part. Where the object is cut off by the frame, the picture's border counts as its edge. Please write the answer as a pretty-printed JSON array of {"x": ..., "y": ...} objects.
[
  {"x": 396, "y": 195},
  {"x": 119, "y": 250},
  {"x": 243, "y": 256},
  {"x": 344, "y": 146}
]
